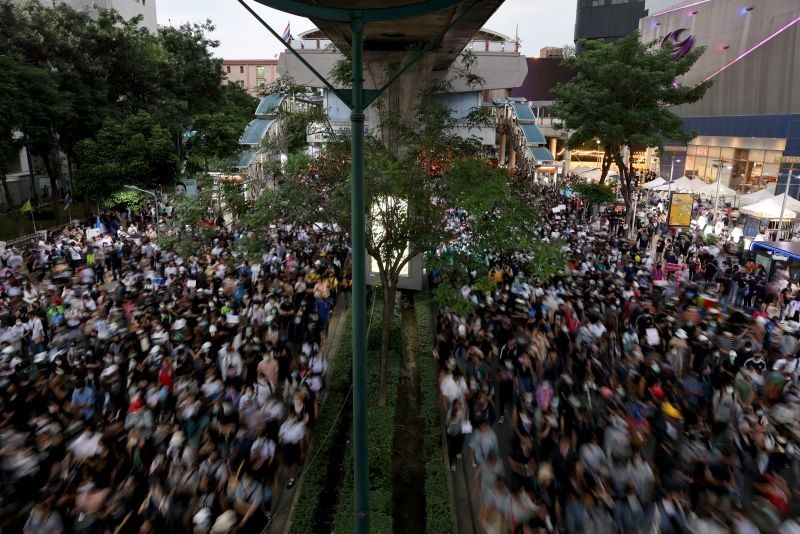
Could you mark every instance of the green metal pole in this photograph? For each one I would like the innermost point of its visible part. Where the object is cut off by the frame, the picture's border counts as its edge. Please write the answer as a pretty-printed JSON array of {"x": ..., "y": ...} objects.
[{"x": 360, "y": 451}]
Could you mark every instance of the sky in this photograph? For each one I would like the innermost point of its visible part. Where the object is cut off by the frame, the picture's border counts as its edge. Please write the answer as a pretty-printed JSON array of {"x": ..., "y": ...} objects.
[{"x": 541, "y": 23}]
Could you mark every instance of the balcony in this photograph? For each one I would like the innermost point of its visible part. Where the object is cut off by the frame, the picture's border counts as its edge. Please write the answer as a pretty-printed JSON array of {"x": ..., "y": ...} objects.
[
  {"x": 321, "y": 45},
  {"x": 493, "y": 47}
]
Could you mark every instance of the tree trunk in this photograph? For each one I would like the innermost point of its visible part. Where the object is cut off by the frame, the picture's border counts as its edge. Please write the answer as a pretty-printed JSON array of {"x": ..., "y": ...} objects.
[
  {"x": 627, "y": 194},
  {"x": 606, "y": 165},
  {"x": 55, "y": 190},
  {"x": 389, "y": 294}
]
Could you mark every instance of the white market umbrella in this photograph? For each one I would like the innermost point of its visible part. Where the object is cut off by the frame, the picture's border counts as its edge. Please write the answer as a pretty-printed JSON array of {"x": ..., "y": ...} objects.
[
  {"x": 654, "y": 183},
  {"x": 580, "y": 169},
  {"x": 768, "y": 208}
]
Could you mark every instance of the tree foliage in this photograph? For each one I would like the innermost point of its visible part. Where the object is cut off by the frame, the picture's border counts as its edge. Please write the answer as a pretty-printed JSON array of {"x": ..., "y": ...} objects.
[
  {"x": 215, "y": 136},
  {"x": 97, "y": 66},
  {"x": 621, "y": 95},
  {"x": 596, "y": 194},
  {"x": 137, "y": 151}
]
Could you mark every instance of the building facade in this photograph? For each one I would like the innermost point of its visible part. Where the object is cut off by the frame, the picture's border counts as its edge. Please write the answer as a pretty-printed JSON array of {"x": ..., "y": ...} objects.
[
  {"x": 748, "y": 123},
  {"x": 607, "y": 19},
  {"x": 252, "y": 74},
  {"x": 127, "y": 8},
  {"x": 497, "y": 60}
]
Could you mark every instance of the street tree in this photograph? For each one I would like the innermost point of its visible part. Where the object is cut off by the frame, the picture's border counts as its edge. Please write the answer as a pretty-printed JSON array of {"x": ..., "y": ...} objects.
[
  {"x": 135, "y": 151},
  {"x": 215, "y": 135},
  {"x": 621, "y": 95},
  {"x": 410, "y": 200}
]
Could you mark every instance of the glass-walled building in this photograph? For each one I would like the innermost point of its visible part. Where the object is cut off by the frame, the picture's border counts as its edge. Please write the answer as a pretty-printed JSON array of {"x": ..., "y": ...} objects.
[{"x": 746, "y": 165}]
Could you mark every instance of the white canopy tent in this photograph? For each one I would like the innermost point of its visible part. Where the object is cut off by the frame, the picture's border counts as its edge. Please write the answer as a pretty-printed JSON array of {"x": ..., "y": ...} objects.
[
  {"x": 758, "y": 196},
  {"x": 769, "y": 208},
  {"x": 711, "y": 189},
  {"x": 654, "y": 183},
  {"x": 684, "y": 183},
  {"x": 580, "y": 169},
  {"x": 594, "y": 174}
]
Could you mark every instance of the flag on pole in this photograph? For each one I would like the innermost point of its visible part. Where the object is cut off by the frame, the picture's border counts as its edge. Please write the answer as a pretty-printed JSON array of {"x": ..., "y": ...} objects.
[
  {"x": 26, "y": 207},
  {"x": 67, "y": 202},
  {"x": 287, "y": 33}
]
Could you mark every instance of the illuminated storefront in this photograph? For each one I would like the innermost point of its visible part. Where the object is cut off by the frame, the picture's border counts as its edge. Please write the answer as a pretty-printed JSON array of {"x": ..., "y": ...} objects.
[{"x": 749, "y": 164}]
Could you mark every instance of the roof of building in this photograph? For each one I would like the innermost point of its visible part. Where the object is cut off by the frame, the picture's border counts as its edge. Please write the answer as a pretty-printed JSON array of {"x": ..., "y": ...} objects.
[
  {"x": 256, "y": 131},
  {"x": 543, "y": 74},
  {"x": 250, "y": 61}
]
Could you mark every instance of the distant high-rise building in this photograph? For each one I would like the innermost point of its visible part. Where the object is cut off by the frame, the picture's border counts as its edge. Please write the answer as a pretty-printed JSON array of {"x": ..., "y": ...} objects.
[
  {"x": 252, "y": 74},
  {"x": 608, "y": 19},
  {"x": 551, "y": 51}
]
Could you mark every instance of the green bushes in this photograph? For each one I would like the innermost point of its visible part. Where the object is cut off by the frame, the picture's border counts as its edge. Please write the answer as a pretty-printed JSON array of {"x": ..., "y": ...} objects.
[
  {"x": 380, "y": 420},
  {"x": 439, "y": 518},
  {"x": 313, "y": 482}
]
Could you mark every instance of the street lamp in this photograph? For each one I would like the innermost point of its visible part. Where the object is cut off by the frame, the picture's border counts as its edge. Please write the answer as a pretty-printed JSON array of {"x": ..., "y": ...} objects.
[
  {"x": 599, "y": 162},
  {"x": 155, "y": 197},
  {"x": 783, "y": 204},
  {"x": 719, "y": 167},
  {"x": 671, "y": 169}
]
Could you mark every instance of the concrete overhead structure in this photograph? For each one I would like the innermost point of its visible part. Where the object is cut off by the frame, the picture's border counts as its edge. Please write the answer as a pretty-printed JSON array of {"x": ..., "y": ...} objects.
[{"x": 497, "y": 61}]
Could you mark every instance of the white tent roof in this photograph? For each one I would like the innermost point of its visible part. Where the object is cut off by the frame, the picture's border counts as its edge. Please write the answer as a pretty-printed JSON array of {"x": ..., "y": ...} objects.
[
  {"x": 769, "y": 208},
  {"x": 654, "y": 183},
  {"x": 580, "y": 169},
  {"x": 763, "y": 194},
  {"x": 683, "y": 183},
  {"x": 594, "y": 174},
  {"x": 711, "y": 189},
  {"x": 758, "y": 196}
]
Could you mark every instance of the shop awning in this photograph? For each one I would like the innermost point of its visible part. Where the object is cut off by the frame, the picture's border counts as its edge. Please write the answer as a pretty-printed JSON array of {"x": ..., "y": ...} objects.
[
  {"x": 533, "y": 135},
  {"x": 269, "y": 105},
  {"x": 787, "y": 248},
  {"x": 524, "y": 112},
  {"x": 244, "y": 160},
  {"x": 256, "y": 131},
  {"x": 540, "y": 153}
]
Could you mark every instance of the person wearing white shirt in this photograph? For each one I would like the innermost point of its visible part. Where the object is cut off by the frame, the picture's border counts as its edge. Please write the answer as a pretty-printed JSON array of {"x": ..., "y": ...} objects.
[{"x": 230, "y": 362}]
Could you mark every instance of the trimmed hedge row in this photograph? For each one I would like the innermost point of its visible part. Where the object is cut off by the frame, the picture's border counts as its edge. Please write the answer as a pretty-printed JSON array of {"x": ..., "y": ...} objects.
[
  {"x": 313, "y": 482},
  {"x": 380, "y": 420},
  {"x": 439, "y": 518}
]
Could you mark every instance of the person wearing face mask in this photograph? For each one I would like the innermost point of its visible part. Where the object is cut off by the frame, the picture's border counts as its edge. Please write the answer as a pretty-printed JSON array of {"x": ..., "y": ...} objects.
[
  {"x": 291, "y": 434},
  {"x": 725, "y": 409}
]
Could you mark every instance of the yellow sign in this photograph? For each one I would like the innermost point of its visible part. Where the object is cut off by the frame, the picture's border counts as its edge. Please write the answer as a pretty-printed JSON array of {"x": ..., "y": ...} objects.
[{"x": 680, "y": 209}]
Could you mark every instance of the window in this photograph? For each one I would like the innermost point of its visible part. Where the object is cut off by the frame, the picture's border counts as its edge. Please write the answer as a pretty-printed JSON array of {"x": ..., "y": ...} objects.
[
  {"x": 241, "y": 69},
  {"x": 229, "y": 69},
  {"x": 598, "y": 3},
  {"x": 260, "y": 71},
  {"x": 613, "y": 2}
]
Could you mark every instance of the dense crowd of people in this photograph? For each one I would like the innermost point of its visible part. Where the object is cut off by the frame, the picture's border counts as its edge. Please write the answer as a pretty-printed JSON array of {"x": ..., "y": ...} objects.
[
  {"x": 145, "y": 391},
  {"x": 650, "y": 386}
]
